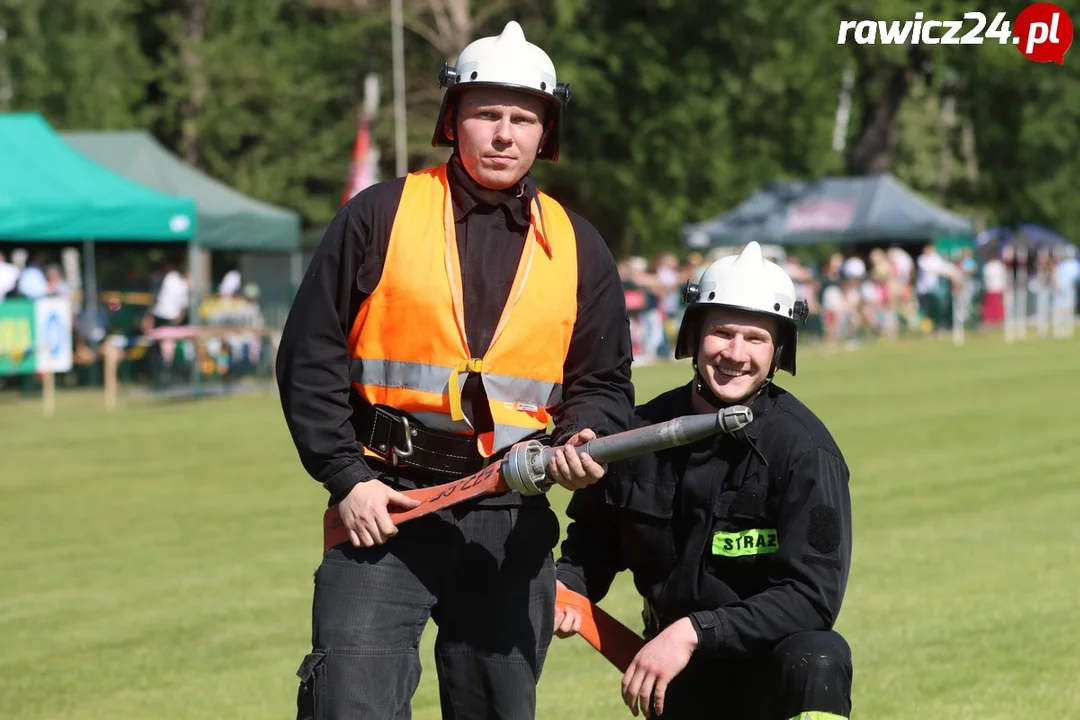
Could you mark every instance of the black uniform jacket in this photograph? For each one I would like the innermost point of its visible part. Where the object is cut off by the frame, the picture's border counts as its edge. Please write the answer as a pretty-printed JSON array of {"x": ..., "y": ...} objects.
[
  {"x": 748, "y": 534},
  {"x": 313, "y": 361}
]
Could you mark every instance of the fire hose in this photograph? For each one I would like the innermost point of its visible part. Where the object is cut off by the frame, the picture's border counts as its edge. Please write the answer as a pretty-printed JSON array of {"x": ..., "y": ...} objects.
[
  {"x": 616, "y": 642},
  {"x": 524, "y": 470}
]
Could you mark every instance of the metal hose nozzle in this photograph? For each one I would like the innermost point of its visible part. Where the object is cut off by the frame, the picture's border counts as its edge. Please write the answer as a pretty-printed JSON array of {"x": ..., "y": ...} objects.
[{"x": 525, "y": 466}]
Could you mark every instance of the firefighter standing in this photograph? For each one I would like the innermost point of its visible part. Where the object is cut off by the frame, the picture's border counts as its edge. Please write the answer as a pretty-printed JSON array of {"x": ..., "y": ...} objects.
[
  {"x": 739, "y": 544},
  {"x": 444, "y": 317}
]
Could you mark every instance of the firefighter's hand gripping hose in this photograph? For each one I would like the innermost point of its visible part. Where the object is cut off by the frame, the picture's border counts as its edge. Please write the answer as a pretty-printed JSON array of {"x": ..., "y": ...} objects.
[{"x": 523, "y": 469}]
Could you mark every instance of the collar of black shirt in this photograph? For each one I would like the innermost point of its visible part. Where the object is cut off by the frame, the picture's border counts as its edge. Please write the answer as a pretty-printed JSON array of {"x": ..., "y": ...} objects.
[
  {"x": 464, "y": 194},
  {"x": 760, "y": 405}
]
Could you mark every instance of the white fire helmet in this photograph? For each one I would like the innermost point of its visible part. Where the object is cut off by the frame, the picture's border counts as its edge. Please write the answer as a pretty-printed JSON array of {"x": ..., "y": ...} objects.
[
  {"x": 751, "y": 283},
  {"x": 509, "y": 61}
]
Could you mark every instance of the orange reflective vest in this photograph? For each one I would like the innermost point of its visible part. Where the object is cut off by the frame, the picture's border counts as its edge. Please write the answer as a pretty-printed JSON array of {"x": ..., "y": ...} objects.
[{"x": 407, "y": 344}]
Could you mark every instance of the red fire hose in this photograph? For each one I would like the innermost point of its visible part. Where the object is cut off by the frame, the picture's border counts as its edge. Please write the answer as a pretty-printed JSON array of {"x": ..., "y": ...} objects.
[{"x": 523, "y": 470}]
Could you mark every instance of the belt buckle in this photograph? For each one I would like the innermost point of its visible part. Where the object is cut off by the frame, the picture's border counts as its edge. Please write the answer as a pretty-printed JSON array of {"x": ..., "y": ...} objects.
[{"x": 395, "y": 451}]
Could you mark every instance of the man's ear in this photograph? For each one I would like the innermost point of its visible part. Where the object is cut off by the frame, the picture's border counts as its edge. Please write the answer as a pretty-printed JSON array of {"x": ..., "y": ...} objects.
[
  {"x": 544, "y": 139},
  {"x": 549, "y": 127},
  {"x": 450, "y": 122}
]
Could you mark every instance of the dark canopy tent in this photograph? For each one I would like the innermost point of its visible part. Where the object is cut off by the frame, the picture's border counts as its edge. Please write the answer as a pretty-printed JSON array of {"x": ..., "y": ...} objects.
[
  {"x": 871, "y": 209},
  {"x": 1030, "y": 237},
  {"x": 51, "y": 193}
]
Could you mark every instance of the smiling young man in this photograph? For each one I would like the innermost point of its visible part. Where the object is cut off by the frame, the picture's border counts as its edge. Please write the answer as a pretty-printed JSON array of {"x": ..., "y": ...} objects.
[
  {"x": 740, "y": 544},
  {"x": 444, "y": 317}
]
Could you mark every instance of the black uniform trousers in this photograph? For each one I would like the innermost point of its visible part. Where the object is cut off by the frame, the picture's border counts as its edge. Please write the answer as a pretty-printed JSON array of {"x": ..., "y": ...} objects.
[
  {"x": 807, "y": 676},
  {"x": 485, "y": 575}
]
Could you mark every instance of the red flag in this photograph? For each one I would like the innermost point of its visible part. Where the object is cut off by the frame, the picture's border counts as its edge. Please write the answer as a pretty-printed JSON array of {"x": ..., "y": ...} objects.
[{"x": 362, "y": 167}]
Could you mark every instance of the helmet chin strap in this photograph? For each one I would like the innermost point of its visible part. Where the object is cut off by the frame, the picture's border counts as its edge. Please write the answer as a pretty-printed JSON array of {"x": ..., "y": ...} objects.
[{"x": 705, "y": 392}]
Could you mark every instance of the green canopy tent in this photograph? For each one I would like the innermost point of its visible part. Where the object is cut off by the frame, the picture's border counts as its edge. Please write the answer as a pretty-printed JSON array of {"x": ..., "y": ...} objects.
[
  {"x": 871, "y": 209},
  {"x": 51, "y": 193},
  {"x": 228, "y": 219}
]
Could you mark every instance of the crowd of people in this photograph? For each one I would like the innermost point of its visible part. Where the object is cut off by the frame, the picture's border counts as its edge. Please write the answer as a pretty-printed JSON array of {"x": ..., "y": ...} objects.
[
  {"x": 235, "y": 304},
  {"x": 853, "y": 298},
  {"x": 881, "y": 292},
  {"x": 150, "y": 318},
  {"x": 32, "y": 277}
]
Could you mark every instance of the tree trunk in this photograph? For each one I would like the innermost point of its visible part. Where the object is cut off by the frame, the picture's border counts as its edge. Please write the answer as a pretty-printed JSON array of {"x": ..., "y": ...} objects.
[
  {"x": 945, "y": 160},
  {"x": 194, "y": 23},
  {"x": 881, "y": 86},
  {"x": 453, "y": 26},
  {"x": 6, "y": 91},
  {"x": 881, "y": 92},
  {"x": 971, "y": 160}
]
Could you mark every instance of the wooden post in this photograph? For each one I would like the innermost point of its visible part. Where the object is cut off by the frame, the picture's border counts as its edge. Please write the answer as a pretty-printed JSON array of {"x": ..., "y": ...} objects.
[
  {"x": 111, "y": 355},
  {"x": 48, "y": 393}
]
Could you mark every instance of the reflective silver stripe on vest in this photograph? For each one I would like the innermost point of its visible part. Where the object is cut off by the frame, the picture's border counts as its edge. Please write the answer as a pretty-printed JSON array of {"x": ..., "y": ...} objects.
[
  {"x": 427, "y": 377},
  {"x": 507, "y": 388},
  {"x": 507, "y": 435},
  {"x": 424, "y": 377}
]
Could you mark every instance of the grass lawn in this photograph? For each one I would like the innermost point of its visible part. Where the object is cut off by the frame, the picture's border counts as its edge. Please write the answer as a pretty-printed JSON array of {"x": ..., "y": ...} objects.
[{"x": 158, "y": 560}]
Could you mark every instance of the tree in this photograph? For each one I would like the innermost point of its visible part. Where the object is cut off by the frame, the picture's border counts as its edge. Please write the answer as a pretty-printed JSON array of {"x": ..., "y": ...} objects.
[
  {"x": 677, "y": 113},
  {"x": 78, "y": 64},
  {"x": 436, "y": 31}
]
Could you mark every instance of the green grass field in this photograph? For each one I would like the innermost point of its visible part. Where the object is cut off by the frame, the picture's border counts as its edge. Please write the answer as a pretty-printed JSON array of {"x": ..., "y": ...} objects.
[{"x": 157, "y": 561}]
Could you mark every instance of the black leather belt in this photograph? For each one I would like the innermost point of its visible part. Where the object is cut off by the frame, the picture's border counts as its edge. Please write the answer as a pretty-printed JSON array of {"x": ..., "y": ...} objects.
[{"x": 403, "y": 442}]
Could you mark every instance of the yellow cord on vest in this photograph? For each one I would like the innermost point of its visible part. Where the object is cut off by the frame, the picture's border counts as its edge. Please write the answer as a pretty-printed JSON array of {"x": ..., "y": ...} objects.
[{"x": 471, "y": 365}]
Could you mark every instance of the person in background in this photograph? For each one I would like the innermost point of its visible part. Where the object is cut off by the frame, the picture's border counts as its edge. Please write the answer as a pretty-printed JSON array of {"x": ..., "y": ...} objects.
[
  {"x": 170, "y": 308},
  {"x": 1067, "y": 281},
  {"x": 884, "y": 277},
  {"x": 854, "y": 267},
  {"x": 9, "y": 276},
  {"x": 995, "y": 282},
  {"x": 230, "y": 284},
  {"x": 934, "y": 278},
  {"x": 56, "y": 286},
  {"x": 668, "y": 284},
  {"x": 833, "y": 302},
  {"x": 172, "y": 299},
  {"x": 32, "y": 283}
]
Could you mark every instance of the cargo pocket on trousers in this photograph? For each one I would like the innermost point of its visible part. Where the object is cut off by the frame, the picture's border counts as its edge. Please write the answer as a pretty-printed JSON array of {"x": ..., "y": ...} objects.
[{"x": 311, "y": 673}]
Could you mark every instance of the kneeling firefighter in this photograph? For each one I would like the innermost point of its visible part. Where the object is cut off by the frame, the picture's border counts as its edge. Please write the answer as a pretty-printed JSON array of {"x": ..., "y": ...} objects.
[{"x": 739, "y": 544}]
